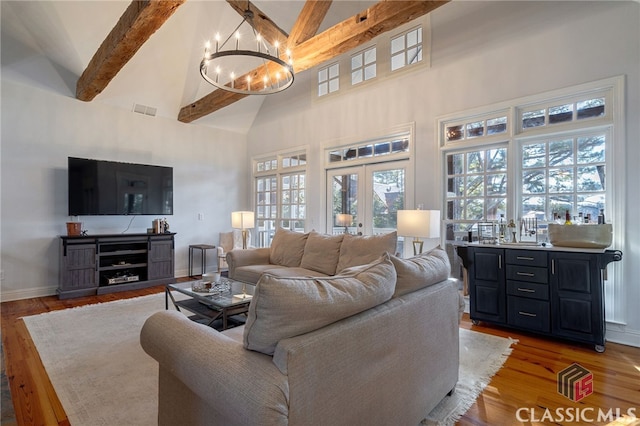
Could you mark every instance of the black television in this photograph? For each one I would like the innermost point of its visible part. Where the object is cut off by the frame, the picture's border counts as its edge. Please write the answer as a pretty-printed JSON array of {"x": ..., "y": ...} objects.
[{"x": 98, "y": 187}]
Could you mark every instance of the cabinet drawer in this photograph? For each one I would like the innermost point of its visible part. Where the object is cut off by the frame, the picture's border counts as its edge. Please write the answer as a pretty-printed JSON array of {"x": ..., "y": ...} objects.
[
  {"x": 528, "y": 313},
  {"x": 527, "y": 257},
  {"x": 527, "y": 273},
  {"x": 529, "y": 290}
]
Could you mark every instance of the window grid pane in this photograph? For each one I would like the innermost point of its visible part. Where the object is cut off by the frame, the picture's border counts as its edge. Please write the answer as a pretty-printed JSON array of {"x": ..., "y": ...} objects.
[
  {"x": 474, "y": 191},
  {"x": 363, "y": 66},
  {"x": 406, "y": 49},
  {"x": 565, "y": 175},
  {"x": 329, "y": 79}
]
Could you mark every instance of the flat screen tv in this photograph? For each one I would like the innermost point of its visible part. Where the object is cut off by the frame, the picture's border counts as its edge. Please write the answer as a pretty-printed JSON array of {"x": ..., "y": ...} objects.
[{"x": 98, "y": 187}]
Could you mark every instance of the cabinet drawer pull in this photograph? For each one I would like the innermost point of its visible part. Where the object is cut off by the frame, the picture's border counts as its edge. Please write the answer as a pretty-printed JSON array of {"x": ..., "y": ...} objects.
[
  {"x": 527, "y": 314},
  {"x": 524, "y": 258},
  {"x": 526, "y": 290},
  {"x": 526, "y": 274}
]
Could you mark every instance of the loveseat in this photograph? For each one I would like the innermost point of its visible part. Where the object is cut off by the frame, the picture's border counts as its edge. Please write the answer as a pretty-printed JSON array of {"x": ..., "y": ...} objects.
[{"x": 376, "y": 344}]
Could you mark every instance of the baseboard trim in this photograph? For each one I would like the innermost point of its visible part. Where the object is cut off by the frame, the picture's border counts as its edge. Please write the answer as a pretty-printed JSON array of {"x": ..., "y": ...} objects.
[
  {"x": 8, "y": 296},
  {"x": 617, "y": 333}
]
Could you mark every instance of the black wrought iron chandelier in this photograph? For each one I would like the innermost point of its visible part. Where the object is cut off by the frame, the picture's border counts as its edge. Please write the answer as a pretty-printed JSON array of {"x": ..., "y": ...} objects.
[{"x": 246, "y": 63}]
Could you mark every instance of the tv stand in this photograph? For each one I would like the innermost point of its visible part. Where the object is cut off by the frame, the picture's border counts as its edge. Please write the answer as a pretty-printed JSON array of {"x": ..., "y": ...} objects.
[{"x": 102, "y": 264}]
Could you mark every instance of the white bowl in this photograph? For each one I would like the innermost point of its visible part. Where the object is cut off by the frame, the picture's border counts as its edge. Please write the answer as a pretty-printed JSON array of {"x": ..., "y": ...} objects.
[{"x": 582, "y": 236}]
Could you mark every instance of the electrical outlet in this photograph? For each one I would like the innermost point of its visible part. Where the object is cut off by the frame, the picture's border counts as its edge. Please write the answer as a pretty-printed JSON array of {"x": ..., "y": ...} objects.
[{"x": 200, "y": 216}]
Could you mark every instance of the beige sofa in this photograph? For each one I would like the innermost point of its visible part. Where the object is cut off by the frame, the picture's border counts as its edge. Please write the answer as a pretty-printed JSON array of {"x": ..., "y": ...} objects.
[
  {"x": 376, "y": 344},
  {"x": 312, "y": 254}
]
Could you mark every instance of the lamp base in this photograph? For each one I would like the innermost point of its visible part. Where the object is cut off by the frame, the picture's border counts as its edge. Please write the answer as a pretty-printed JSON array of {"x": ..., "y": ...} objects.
[
  {"x": 244, "y": 239},
  {"x": 417, "y": 247}
]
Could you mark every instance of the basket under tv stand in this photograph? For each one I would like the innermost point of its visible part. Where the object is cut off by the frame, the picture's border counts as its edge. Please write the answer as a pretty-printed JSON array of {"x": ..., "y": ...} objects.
[{"x": 100, "y": 264}]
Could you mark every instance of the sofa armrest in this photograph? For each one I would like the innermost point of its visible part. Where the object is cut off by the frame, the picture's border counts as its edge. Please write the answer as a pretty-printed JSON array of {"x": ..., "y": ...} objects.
[
  {"x": 237, "y": 258},
  {"x": 239, "y": 386}
]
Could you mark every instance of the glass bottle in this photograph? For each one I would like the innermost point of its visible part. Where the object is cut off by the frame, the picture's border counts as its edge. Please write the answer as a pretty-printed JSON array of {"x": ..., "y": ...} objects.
[
  {"x": 502, "y": 228},
  {"x": 567, "y": 218}
]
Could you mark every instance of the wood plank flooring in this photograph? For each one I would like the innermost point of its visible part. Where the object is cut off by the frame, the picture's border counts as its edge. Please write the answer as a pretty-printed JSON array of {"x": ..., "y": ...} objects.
[{"x": 526, "y": 384}]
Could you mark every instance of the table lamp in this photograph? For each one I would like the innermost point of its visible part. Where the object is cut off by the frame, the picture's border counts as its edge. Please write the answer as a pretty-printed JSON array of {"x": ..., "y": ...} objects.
[
  {"x": 419, "y": 223},
  {"x": 344, "y": 219},
  {"x": 243, "y": 220}
]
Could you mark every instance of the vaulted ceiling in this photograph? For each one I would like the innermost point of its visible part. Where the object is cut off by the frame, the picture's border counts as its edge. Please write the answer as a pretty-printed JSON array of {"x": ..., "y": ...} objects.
[{"x": 147, "y": 53}]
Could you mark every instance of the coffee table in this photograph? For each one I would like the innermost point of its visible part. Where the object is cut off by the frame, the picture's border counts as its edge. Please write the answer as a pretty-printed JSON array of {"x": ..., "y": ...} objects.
[{"x": 210, "y": 305}]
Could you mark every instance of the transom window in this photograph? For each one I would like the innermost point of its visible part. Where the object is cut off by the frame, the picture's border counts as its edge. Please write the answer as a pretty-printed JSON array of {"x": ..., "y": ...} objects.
[
  {"x": 563, "y": 112},
  {"x": 367, "y": 150},
  {"x": 329, "y": 79},
  {"x": 363, "y": 66},
  {"x": 406, "y": 49},
  {"x": 476, "y": 128}
]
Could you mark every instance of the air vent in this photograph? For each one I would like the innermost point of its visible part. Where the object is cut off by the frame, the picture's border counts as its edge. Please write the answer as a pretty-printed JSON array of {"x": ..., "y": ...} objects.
[{"x": 146, "y": 110}]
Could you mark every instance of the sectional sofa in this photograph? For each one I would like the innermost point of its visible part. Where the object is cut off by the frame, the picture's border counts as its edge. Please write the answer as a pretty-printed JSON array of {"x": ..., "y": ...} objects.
[{"x": 375, "y": 343}]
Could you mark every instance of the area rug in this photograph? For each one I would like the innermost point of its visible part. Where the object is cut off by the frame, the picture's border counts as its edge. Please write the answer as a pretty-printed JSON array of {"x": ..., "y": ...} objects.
[{"x": 102, "y": 376}]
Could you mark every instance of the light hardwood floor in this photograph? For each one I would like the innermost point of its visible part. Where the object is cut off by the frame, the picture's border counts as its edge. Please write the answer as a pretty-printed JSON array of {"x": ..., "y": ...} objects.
[{"x": 525, "y": 384}]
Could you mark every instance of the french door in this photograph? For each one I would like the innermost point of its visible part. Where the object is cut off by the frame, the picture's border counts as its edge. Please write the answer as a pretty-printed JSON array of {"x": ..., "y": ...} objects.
[{"x": 371, "y": 194}]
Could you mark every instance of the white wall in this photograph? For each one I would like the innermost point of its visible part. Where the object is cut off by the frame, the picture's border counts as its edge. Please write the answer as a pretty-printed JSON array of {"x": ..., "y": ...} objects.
[
  {"x": 42, "y": 127},
  {"x": 482, "y": 53}
]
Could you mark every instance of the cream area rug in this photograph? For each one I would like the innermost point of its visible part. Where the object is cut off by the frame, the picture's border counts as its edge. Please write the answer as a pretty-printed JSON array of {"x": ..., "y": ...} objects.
[{"x": 102, "y": 376}]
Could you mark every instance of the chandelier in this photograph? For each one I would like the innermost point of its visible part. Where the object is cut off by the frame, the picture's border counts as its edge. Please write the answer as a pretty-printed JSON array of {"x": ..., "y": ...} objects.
[{"x": 246, "y": 63}]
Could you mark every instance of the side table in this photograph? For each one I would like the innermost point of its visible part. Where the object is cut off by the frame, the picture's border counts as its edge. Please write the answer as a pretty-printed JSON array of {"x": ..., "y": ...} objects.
[{"x": 203, "y": 257}]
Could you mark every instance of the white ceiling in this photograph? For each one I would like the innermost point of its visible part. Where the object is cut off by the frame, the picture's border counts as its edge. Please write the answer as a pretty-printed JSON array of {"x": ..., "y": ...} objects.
[{"x": 49, "y": 43}]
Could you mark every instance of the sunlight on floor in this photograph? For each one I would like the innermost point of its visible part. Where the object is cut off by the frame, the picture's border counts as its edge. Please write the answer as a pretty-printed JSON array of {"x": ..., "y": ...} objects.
[{"x": 625, "y": 421}]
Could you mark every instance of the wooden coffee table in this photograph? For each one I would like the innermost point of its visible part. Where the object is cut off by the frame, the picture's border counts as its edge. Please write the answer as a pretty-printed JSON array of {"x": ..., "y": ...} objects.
[{"x": 226, "y": 299}]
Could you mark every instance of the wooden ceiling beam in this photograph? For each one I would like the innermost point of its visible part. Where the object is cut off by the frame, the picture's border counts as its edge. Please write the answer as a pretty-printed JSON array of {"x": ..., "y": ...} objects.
[
  {"x": 341, "y": 38},
  {"x": 309, "y": 20},
  {"x": 135, "y": 26},
  {"x": 359, "y": 29},
  {"x": 261, "y": 22}
]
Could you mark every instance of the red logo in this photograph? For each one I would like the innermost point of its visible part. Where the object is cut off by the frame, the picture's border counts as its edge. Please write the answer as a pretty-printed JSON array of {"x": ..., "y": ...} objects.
[{"x": 575, "y": 382}]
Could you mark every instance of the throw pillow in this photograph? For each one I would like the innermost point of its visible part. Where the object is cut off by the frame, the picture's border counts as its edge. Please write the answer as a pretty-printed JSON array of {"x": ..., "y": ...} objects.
[
  {"x": 287, "y": 248},
  {"x": 421, "y": 271},
  {"x": 356, "y": 250},
  {"x": 287, "y": 307},
  {"x": 321, "y": 253}
]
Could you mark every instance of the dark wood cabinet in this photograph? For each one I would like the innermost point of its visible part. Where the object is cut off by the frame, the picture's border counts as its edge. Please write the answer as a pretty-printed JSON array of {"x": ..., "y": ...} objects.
[
  {"x": 487, "y": 270},
  {"x": 543, "y": 290},
  {"x": 102, "y": 264},
  {"x": 578, "y": 305}
]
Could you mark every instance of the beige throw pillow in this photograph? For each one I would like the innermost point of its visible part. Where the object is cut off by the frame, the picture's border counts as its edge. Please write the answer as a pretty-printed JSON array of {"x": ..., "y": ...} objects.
[
  {"x": 287, "y": 307},
  {"x": 287, "y": 248},
  {"x": 421, "y": 271},
  {"x": 357, "y": 250},
  {"x": 321, "y": 253}
]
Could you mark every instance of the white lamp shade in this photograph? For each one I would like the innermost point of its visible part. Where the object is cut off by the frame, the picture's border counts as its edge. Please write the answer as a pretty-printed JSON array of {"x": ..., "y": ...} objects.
[
  {"x": 343, "y": 219},
  {"x": 419, "y": 223},
  {"x": 242, "y": 220}
]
